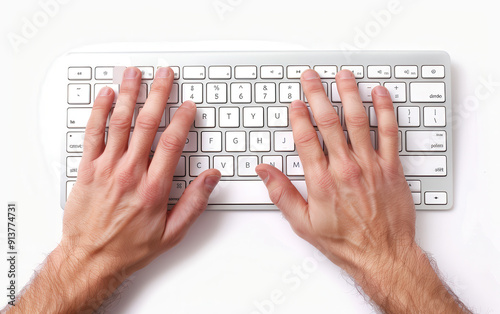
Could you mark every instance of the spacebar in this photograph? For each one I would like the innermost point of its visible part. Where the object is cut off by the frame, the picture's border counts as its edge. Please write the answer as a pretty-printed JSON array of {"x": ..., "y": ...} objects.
[{"x": 246, "y": 192}]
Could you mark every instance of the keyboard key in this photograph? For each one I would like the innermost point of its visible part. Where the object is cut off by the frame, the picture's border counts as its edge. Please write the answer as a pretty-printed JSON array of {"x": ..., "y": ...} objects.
[
  {"x": 357, "y": 70},
  {"x": 178, "y": 187},
  {"x": 277, "y": 116},
  {"x": 417, "y": 198},
  {"x": 295, "y": 71},
  {"x": 379, "y": 71},
  {"x": 219, "y": 72},
  {"x": 216, "y": 93},
  {"x": 245, "y": 72},
  {"x": 260, "y": 141},
  {"x": 409, "y": 116},
  {"x": 414, "y": 186},
  {"x": 104, "y": 73},
  {"x": 193, "y": 92},
  {"x": 426, "y": 141},
  {"x": 432, "y": 166},
  {"x": 143, "y": 94},
  {"x": 114, "y": 87},
  {"x": 397, "y": 91},
  {"x": 311, "y": 116},
  {"x": 205, "y": 118},
  {"x": 78, "y": 117},
  {"x": 373, "y": 117},
  {"x": 229, "y": 117},
  {"x": 265, "y": 92},
  {"x": 335, "y": 93},
  {"x": 211, "y": 141},
  {"x": 275, "y": 161},
  {"x": 294, "y": 166},
  {"x": 255, "y": 192},
  {"x": 79, "y": 73},
  {"x": 289, "y": 92},
  {"x": 198, "y": 164},
  {"x": 326, "y": 71},
  {"x": 283, "y": 141},
  {"x": 246, "y": 166},
  {"x": 225, "y": 164},
  {"x": 271, "y": 72},
  {"x": 72, "y": 164},
  {"x": 78, "y": 94},
  {"x": 74, "y": 142},
  {"x": 173, "y": 98},
  {"x": 365, "y": 91},
  {"x": 180, "y": 169},
  {"x": 147, "y": 72},
  {"x": 177, "y": 72},
  {"x": 191, "y": 142},
  {"x": 236, "y": 141},
  {"x": 194, "y": 73},
  {"x": 436, "y": 198},
  {"x": 253, "y": 117},
  {"x": 241, "y": 93},
  {"x": 434, "y": 116},
  {"x": 406, "y": 71},
  {"x": 427, "y": 92},
  {"x": 432, "y": 71}
]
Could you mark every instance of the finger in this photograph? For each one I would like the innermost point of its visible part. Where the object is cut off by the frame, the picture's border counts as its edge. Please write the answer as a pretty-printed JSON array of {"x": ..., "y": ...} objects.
[
  {"x": 121, "y": 118},
  {"x": 388, "y": 146},
  {"x": 190, "y": 206},
  {"x": 286, "y": 197},
  {"x": 96, "y": 126},
  {"x": 326, "y": 117},
  {"x": 306, "y": 139},
  {"x": 355, "y": 114},
  {"x": 148, "y": 120},
  {"x": 172, "y": 142}
]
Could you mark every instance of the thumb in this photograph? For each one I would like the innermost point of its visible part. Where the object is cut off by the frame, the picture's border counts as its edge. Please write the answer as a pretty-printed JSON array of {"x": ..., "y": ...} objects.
[
  {"x": 285, "y": 196},
  {"x": 190, "y": 206}
]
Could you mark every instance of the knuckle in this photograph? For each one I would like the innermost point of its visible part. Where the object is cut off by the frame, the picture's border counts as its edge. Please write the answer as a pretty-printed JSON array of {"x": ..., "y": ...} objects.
[
  {"x": 305, "y": 138},
  {"x": 119, "y": 122},
  {"x": 277, "y": 195},
  {"x": 146, "y": 122},
  {"x": 95, "y": 129},
  {"x": 350, "y": 172},
  {"x": 171, "y": 143},
  {"x": 357, "y": 119},
  {"x": 325, "y": 181},
  {"x": 388, "y": 130},
  {"x": 125, "y": 178},
  {"x": 316, "y": 88},
  {"x": 150, "y": 192},
  {"x": 327, "y": 120}
]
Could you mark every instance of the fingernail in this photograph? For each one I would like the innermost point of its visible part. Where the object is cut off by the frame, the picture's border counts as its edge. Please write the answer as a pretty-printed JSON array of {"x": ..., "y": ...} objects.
[
  {"x": 345, "y": 74},
  {"x": 106, "y": 91},
  {"x": 381, "y": 91},
  {"x": 297, "y": 104},
  {"x": 211, "y": 182},
  {"x": 189, "y": 104},
  {"x": 263, "y": 175},
  {"x": 310, "y": 75},
  {"x": 130, "y": 73},
  {"x": 162, "y": 73}
]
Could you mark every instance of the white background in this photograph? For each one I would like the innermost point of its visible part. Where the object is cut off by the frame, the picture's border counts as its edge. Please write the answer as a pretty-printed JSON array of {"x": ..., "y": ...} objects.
[{"x": 231, "y": 261}]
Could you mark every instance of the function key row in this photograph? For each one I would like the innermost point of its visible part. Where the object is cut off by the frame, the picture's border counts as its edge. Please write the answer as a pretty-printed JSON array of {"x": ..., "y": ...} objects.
[{"x": 270, "y": 72}]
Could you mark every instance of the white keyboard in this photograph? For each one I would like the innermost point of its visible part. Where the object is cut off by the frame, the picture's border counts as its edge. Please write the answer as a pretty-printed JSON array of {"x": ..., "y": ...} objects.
[{"x": 242, "y": 118}]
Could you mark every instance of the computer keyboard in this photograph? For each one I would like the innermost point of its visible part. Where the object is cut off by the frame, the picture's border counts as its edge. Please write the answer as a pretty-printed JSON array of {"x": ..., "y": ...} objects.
[{"x": 242, "y": 118}]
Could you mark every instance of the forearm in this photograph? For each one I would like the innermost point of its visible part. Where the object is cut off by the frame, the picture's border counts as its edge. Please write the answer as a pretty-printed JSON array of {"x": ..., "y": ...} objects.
[
  {"x": 406, "y": 282},
  {"x": 69, "y": 282}
]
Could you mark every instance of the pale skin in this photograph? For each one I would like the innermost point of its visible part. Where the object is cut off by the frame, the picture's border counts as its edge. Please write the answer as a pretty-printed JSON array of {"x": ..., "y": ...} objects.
[{"x": 359, "y": 210}]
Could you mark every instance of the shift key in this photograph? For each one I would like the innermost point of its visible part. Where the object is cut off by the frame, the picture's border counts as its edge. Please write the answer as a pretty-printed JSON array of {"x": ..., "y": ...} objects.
[{"x": 431, "y": 166}]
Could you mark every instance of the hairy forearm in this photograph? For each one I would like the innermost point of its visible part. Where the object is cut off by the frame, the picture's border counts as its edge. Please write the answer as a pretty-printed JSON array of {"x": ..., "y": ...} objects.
[
  {"x": 405, "y": 282},
  {"x": 68, "y": 282}
]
